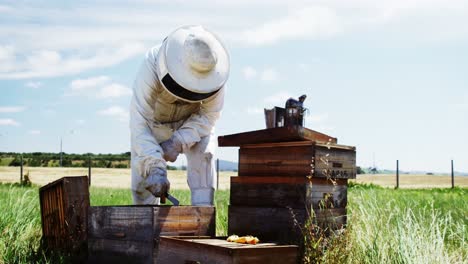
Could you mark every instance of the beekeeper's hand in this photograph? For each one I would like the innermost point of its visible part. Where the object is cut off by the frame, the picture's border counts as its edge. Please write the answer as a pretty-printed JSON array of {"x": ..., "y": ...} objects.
[
  {"x": 157, "y": 182},
  {"x": 171, "y": 147}
]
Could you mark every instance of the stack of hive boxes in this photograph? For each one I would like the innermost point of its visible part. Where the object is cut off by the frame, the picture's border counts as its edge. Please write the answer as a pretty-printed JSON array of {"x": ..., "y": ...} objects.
[{"x": 288, "y": 176}]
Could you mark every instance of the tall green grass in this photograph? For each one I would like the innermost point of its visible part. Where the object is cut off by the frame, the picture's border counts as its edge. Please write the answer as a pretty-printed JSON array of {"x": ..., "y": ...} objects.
[
  {"x": 402, "y": 226},
  {"x": 20, "y": 226},
  {"x": 384, "y": 225}
]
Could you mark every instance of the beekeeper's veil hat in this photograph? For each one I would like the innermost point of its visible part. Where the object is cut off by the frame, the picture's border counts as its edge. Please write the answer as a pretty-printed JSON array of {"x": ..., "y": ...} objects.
[{"x": 193, "y": 64}]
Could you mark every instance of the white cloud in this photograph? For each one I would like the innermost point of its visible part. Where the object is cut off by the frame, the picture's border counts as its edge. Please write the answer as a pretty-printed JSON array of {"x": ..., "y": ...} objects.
[
  {"x": 8, "y": 122},
  {"x": 7, "y": 58},
  {"x": 87, "y": 86},
  {"x": 52, "y": 63},
  {"x": 80, "y": 85},
  {"x": 114, "y": 90},
  {"x": 116, "y": 112},
  {"x": 305, "y": 23},
  {"x": 12, "y": 109},
  {"x": 266, "y": 74},
  {"x": 34, "y": 85},
  {"x": 269, "y": 75},
  {"x": 249, "y": 72},
  {"x": 34, "y": 132},
  {"x": 98, "y": 87}
]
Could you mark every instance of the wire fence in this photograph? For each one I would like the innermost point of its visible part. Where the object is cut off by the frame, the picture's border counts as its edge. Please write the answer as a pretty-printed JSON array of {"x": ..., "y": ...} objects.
[{"x": 399, "y": 179}]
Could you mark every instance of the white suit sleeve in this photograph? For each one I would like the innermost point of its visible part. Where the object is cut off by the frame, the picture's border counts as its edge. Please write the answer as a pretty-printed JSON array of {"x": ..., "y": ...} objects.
[
  {"x": 201, "y": 124},
  {"x": 148, "y": 152}
]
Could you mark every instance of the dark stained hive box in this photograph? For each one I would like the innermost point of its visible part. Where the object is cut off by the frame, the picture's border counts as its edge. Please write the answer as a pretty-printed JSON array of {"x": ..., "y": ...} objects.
[
  {"x": 64, "y": 205},
  {"x": 280, "y": 208},
  {"x": 294, "y": 192},
  {"x": 281, "y": 224},
  {"x": 175, "y": 250},
  {"x": 130, "y": 234},
  {"x": 298, "y": 159}
]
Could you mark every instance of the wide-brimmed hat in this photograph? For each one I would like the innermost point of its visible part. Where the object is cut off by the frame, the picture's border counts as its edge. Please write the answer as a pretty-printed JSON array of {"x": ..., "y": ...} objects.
[{"x": 193, "y": 64}]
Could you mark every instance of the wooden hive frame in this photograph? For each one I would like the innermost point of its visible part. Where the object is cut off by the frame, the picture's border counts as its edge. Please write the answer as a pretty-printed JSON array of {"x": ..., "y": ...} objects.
[{"x": 64, "y": 205}]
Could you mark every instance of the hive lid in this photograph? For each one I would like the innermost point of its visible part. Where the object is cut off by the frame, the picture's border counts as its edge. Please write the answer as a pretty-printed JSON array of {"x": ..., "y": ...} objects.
[{"x": 272, "y": 135}]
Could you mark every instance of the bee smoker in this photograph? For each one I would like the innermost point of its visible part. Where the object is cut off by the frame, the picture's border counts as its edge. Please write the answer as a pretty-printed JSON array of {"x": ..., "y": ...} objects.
[
  {"x": 291, "y": 115},
  {"x": 294, "y": 114}
]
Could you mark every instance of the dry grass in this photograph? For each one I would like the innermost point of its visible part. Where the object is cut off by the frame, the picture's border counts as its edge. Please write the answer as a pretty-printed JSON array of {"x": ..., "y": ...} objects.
[
  {"x": 100, "y": 177},
  {"x": 120, "y": 178},
  {"x": 412, "y": 180}
]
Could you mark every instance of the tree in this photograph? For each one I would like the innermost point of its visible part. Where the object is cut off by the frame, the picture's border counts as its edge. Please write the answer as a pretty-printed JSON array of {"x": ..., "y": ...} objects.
[
  {"x": 15, "y": 162},
  {"x": 359, "y": 170},
  {"x": 35, "y": 162}
]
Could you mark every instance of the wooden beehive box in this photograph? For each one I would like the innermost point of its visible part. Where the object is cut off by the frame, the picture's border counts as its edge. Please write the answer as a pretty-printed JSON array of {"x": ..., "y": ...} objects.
[
  {"x": 282, "y": 224},
  {"x": 64, "y": 205},
  {"x": 280, "y": 208},
  {"x": 298, "y": 159},
  {"x": 174, "y": 250},
  {"x": 130, "y": 234},
  {"x": 293, "y": 192}
]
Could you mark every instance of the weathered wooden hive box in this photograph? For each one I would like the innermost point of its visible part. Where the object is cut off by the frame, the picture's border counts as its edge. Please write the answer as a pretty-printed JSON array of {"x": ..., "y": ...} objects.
[
  {"x": 298, "y": 159},
  {"x": 288, "y": 176},
  {"x": 64, "y": 205},
  {"x": 131, "y": 234},
  {"x": 180, "y": 250}
]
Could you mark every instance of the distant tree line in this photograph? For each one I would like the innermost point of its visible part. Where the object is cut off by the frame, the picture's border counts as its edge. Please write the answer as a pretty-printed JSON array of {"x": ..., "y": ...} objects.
[{"x": 44, "y": 159}]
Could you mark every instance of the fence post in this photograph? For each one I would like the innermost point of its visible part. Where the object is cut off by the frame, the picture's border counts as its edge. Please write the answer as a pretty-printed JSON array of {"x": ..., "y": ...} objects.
[
  {"x": 453, "y": 176},
  {"x": 21, "y": 170},
  {"x": 397, "y": 175},
  {"x": 217, "y": 174},
  {"x": 61, "y": 152},
  {"x": 89, "y": 170}
]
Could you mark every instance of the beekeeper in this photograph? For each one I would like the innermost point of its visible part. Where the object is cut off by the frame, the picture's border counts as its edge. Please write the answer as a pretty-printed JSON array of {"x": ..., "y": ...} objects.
[{"x": 178, "y": 96}]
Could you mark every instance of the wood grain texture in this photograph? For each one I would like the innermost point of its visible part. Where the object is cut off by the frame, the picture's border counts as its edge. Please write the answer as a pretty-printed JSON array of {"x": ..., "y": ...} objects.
[
  {"x": 64, "y": 204},
  {"x": 120, "y": 251},
  {"x": 278, "y": 134},
  {"x": 333, "y": 162},
  {"x": 121, "y": 223},
  {"x": 298, "y": 159},
  {"x": 177, "y": 250},
  {"x": 132, "y": 232},
  {"x": 280, "y": 224},
  {"x": 291, "y": 192},
  {"x": 184, "y": 221}
]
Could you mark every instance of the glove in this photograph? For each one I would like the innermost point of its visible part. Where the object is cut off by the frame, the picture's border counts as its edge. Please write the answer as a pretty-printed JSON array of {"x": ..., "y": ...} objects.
[
  {"x": 171, "y": 147},
  {"x": 157, "y": 182}
]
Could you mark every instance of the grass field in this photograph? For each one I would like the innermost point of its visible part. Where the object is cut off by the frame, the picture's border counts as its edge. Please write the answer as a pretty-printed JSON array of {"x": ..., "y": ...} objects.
[{"x": 385, "y": 225}]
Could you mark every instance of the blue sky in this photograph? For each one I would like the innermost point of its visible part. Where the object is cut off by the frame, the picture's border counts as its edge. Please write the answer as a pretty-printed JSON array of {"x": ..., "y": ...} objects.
[{"x": 389, "y": 77}]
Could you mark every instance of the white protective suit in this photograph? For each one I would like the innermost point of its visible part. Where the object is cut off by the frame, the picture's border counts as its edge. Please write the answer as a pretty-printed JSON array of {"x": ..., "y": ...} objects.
[{"x": 155, "y": 115}]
